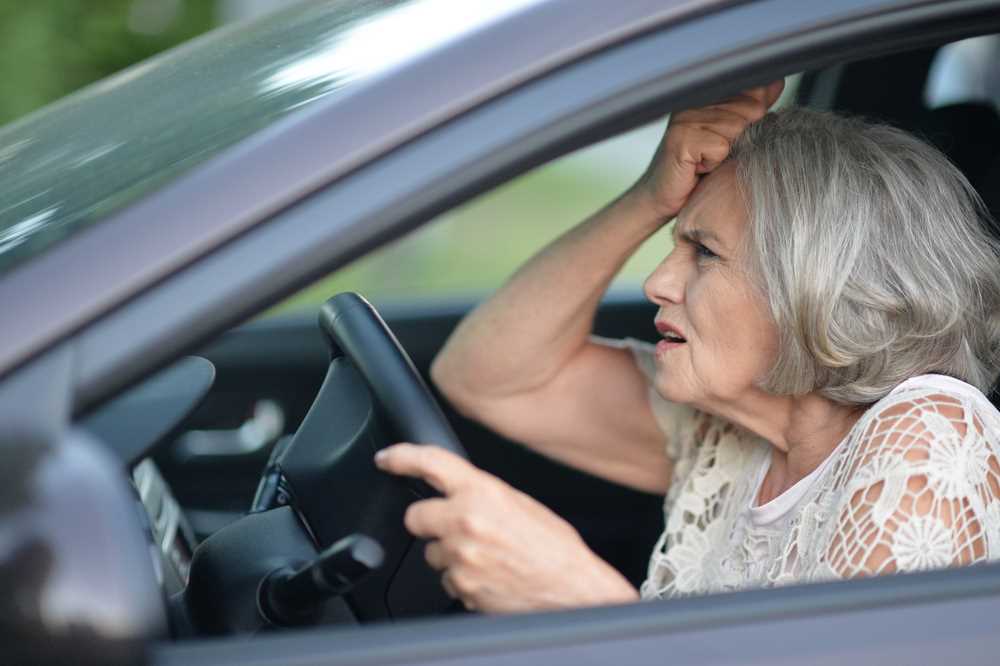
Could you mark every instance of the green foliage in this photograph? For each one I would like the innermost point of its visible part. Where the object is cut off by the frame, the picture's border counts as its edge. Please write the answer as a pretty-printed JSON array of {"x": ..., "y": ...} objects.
[{"x": 49, "y": 48}]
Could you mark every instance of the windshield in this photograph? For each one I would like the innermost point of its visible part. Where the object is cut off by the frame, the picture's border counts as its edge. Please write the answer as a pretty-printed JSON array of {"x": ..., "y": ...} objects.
[{"x": 78, "y": 161}]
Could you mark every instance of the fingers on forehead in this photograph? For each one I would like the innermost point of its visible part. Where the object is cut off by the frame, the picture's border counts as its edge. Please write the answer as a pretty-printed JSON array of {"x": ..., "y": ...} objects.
[
  {"x": 746, "y": 107},
  {"x": 725, "y": 122},
  {"x": 769, "y": 94},
  {"x": 774, "y": 90}
]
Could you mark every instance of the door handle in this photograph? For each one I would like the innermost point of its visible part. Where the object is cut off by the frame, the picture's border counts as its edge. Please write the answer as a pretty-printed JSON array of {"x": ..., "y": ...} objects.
[{"x": 262, "y": 429}]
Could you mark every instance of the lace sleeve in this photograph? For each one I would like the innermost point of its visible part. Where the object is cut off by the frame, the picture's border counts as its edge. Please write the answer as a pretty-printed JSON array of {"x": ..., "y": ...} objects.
[{"x": 920, "y": 490}]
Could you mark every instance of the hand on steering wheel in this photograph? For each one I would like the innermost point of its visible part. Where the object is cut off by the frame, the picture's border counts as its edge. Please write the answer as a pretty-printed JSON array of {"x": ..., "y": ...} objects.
[
  {"x": 372, "y": 396},
  {"x": 498, "y": 549}
]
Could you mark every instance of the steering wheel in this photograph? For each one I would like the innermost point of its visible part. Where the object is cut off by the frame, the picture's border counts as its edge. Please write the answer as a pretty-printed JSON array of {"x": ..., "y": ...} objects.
[
  {"x": 355, "y": 329},
  {"x": 324, "y": 480},
  {"x": 372, "y": 396}
]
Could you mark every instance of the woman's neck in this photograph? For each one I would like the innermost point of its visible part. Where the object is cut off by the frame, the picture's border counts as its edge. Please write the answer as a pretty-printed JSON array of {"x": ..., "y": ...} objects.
[{"x": 802, "y": 430}]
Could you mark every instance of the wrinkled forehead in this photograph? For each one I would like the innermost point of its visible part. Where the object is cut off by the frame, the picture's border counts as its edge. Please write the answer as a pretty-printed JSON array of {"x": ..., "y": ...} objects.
[{"x": 716, "y": 206}]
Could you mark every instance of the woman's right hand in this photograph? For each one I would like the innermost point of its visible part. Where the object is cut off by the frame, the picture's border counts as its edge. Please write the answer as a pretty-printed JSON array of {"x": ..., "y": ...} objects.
[{"x": 696, "y": 142}]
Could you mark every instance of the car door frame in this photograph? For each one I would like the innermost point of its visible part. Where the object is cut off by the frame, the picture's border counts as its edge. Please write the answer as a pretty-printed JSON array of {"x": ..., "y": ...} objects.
[{"x": 621, "y": 87}]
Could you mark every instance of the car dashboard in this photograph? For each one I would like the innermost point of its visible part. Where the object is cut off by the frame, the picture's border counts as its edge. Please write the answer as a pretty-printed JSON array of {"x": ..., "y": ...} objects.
[{"x": 172, "y": 539}]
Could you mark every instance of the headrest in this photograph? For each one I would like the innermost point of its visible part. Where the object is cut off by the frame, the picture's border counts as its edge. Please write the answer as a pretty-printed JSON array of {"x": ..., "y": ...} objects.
[{"x": 969, "y": 134}]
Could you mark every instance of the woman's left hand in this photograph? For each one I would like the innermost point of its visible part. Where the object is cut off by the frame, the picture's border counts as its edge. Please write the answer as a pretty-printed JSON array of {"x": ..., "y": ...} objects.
[{"x": 499, "y": 550}]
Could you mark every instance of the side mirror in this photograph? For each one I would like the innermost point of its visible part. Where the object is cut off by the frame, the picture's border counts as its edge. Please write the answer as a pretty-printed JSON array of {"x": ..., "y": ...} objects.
[{"x": 77, "y": 569}]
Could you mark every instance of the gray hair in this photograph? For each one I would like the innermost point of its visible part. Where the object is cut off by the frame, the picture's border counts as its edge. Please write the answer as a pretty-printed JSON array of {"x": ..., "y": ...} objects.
[{"x": 872, "y": 252}]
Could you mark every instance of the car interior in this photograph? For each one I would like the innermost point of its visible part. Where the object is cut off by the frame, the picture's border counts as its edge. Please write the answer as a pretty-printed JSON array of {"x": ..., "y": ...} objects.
[{"x": 242, "y": 402}]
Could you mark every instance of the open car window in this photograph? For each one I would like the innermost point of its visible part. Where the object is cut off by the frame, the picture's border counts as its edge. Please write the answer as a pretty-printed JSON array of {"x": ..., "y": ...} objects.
[{"x": 472, "y": 249}]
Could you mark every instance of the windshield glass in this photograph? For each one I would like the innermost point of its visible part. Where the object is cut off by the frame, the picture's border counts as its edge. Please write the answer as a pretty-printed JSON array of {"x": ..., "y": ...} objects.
[{"x": 78, "y": 161}]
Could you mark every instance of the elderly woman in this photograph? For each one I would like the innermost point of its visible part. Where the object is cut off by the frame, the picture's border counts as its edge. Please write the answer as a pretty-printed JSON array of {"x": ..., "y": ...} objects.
[{"x": 814, "y": 409}]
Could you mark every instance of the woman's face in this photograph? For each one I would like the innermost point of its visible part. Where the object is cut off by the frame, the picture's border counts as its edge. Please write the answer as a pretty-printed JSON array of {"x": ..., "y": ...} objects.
[{"x": 705, "y": 297}]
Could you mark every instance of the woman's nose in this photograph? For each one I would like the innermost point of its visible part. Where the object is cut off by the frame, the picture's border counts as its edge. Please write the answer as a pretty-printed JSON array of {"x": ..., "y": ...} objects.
[{"x": 665, "y": 284}]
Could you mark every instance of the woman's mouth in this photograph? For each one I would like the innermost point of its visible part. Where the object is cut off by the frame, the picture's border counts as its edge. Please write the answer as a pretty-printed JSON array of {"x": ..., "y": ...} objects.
[
  {"x": 669, "y": 332},
  {"x": 667, "y": 344},
  {"x": 672, "y": 336}
]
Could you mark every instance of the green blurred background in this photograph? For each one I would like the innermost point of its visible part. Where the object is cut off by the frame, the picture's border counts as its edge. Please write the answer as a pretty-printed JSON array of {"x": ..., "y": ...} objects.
[{"x": 52, "y": 47}]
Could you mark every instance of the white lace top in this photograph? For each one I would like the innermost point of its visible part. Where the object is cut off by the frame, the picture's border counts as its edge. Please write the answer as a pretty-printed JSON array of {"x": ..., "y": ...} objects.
[{"x": 914, "y": 485}]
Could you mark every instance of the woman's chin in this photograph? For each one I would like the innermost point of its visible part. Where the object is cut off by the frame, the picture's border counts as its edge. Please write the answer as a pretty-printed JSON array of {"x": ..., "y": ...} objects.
[{"x": 671, "y": 389}]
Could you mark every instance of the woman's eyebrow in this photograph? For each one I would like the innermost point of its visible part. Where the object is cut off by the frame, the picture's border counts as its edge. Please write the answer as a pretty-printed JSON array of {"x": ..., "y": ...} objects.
[{"x": 699, "y": 236}]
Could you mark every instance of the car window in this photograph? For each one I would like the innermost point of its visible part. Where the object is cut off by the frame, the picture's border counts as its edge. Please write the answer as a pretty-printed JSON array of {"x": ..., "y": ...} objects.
[
  {"x": 471, "y": 250},
  {"x": 474, "y": 248}
]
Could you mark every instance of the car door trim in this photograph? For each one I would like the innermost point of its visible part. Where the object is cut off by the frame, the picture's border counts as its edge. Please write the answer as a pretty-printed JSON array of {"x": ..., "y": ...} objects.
[{"x": 804, "y": 624}]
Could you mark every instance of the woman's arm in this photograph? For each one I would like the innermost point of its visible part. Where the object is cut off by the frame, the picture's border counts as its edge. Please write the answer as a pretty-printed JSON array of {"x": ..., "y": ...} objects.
[
  {"x": 523, "y": 362},
  {"x": 519, "y": 339}
]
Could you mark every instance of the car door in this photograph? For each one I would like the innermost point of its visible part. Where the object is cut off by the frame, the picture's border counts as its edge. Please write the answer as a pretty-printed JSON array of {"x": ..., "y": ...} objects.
[
  {"x": 692, "y": 61},
  {"x": 752, "y": 626}
]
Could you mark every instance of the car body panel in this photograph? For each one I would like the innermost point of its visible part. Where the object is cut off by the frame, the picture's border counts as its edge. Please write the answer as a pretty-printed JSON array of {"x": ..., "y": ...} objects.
[{"x": 937, "y": 617}]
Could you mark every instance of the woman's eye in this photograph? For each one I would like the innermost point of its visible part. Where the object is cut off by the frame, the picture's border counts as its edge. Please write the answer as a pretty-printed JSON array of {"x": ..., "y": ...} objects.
[{"x": 703, "y": 252}]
